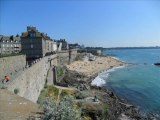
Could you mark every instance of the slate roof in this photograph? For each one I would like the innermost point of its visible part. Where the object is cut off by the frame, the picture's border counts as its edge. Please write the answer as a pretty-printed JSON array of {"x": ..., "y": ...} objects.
[
  {"x": 38, "y": 34},
  {"x": 10, "y": 38}
]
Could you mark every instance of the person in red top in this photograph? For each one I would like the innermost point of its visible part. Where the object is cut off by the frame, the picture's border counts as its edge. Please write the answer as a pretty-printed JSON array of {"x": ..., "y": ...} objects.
[{"x": 7, "y": 78}]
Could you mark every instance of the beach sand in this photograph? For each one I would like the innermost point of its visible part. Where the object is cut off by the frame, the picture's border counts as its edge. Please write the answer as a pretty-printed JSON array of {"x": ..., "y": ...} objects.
[{"x": 90, "y": 68}]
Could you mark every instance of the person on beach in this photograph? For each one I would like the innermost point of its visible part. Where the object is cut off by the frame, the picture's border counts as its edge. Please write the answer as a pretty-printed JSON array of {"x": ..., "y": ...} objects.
[
  {"x": 95, "y": 98},
  {"x": 7, "y": 78}
]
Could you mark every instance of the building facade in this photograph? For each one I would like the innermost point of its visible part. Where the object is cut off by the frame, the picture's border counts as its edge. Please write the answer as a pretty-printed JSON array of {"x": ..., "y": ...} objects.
[
  {"x": 62, "y": 44},
  {"x": 36, "y": 44},
  {"x": 10, "y": 44}
]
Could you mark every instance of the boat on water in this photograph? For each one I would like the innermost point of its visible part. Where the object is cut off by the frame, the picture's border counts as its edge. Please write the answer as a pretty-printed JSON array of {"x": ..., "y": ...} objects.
[{"x": 157, "y": 64}]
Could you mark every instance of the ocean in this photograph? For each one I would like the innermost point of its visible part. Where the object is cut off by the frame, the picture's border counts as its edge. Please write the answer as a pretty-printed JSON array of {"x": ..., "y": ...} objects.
[{"x": 138, "y": 83}]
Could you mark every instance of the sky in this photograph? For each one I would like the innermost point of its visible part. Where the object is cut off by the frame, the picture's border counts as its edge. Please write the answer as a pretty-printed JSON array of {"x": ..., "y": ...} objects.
[{"x": 95, "y": 23}]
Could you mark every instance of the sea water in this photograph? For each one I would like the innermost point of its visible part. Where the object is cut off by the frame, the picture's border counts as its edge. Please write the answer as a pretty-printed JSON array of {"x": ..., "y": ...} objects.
[{"x": 138, "y": 83}]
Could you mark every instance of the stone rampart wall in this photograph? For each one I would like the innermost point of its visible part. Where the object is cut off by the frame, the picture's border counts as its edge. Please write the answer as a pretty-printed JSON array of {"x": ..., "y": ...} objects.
[
  {"x": 63, "y": 57},
  {"x": 9, "y": 66},
  {"x": 31, "y": 81},
  {"x": 73, "y": 55}
]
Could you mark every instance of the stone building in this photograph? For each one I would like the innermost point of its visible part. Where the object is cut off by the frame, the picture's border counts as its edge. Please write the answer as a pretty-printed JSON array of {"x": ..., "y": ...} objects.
[
  {"x": 36, "y": 44},
  {"x": 10, "y": 44},
  {"x": 74, "y": 46},
  {"x": 62, "y": 44}
]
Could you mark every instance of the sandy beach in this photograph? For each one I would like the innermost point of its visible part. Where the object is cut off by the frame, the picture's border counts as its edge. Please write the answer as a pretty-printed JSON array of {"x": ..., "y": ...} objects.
[{"x": 90, "y": 68}]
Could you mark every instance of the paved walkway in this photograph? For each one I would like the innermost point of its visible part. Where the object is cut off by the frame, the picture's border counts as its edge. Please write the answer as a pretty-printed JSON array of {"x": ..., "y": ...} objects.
[{"x": 14, "y": 107}]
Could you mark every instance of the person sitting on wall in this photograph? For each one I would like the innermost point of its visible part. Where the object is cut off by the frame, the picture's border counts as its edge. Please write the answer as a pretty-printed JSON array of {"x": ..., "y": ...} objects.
[{"x": 7, "y": 78}]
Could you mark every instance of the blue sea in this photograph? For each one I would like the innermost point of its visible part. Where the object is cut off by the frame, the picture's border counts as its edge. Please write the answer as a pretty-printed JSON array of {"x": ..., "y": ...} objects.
[{"x": 138, "y": 83}]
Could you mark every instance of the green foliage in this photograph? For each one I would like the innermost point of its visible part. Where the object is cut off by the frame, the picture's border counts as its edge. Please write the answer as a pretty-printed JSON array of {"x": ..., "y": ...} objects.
[
  {"x": 60, "y": 72},
  {"x": 105, "y": 112},
  {"x": 16, "y": 91},
  {"x": 52, "y": 91},
  {"x": 64, "y": 93},
  {"x": 87, "y": 117},
  {"x": 49, "y": 91},
  {"x": 68, "y": 92},
  {"x": 82, "y": 94},
  {"x": 65, "y": 110}
]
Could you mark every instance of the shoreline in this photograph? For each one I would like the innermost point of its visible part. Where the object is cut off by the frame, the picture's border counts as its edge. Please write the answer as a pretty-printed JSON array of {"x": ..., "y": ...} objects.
[
  {"x": 122, "y": 106},
  {"x": 98, "y": 83},
  {"x": 91, "y": 68}
]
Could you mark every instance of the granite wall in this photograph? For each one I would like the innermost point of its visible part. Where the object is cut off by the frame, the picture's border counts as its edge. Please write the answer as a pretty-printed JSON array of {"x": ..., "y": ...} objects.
[
  {"x": 10, "y": 66},
  {"x": 66, "y": 57},
  {"x": 31, "y": 81},
  {"x": 73, "y": 55}
]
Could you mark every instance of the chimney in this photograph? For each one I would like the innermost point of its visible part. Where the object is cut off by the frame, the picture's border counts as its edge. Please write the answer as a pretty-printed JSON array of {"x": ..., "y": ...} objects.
[{"x": 31, "y": 28}]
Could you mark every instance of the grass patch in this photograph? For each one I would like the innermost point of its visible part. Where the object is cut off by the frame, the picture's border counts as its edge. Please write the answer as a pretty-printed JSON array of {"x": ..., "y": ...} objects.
[
  {"x": 105, "y": 112},
  {"x": 49, "y": 91},
  {"x": 87, "y": 117},
  {"x": 82, "y": 94},
  {"x": 68, "y": 92},
  {"x": 60, "y": 72}
]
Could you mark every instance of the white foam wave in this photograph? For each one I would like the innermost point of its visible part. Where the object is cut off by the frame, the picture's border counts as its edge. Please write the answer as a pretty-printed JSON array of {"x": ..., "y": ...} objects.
[
  {"x": 111, "y": 70},
  {"x": 101, "y": 78},
  {"x": 98, "y": 82},
  {"x": 116, "y": 58}
]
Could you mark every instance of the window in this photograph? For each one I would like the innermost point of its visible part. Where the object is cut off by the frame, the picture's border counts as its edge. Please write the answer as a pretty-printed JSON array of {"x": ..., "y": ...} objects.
[
  {"x": 32, "y": 34},
  {"x": 31, "y": 45}
]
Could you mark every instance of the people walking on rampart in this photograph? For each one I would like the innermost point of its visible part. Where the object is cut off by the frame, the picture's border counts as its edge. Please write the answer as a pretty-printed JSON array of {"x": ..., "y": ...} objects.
[{"x": 7, "y": 78}]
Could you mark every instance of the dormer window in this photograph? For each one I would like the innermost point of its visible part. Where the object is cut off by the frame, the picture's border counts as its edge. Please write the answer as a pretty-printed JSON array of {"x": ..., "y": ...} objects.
[{"x": 32, "y": 34}]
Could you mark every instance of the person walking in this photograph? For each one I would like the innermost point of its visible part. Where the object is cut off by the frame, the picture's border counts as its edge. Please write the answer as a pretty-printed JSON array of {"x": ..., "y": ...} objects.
[{"x": 7, "y": 78}]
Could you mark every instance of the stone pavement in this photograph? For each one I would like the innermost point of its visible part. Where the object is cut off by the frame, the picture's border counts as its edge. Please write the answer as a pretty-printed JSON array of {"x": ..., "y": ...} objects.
[{"x": 14, "y": 107}]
